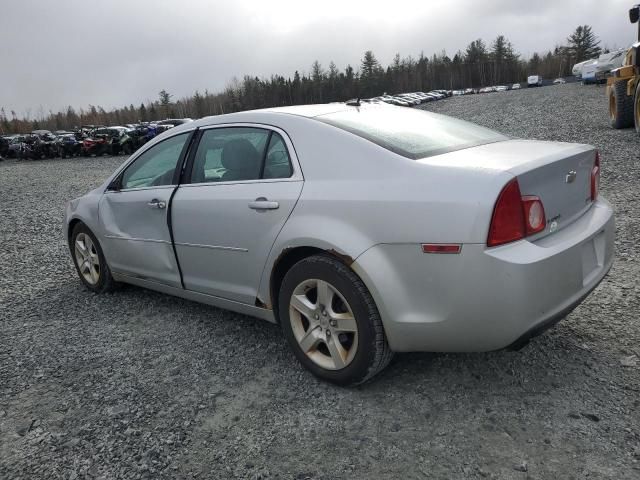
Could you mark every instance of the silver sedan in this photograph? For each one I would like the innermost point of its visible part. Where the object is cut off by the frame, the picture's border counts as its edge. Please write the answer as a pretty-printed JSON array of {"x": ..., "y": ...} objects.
[{"x": 360, "y": 230}]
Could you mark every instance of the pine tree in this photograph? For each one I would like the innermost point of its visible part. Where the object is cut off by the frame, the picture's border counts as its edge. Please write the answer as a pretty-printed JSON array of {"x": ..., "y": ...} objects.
[
  {"x": 583, "y": 44},
  {"x": 142, "y": 113},
  {"x": 165, "y": 102},
  {"x": 370, "y": 73},
  {"x": 476, "y": 57}
]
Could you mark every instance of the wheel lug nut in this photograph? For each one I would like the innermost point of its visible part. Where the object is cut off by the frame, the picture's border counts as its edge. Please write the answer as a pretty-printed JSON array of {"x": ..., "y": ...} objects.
[
  {"x": 328, "y": 333},
  {"x": 333, "y": 323}
]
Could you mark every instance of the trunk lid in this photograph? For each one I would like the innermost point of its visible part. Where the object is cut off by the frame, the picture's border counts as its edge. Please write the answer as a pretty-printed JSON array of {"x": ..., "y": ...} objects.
[{"x": 558, "y": 173}]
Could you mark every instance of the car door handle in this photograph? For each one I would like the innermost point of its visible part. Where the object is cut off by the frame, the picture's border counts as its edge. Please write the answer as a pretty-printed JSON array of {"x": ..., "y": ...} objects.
[
  {"x": 155, "y": 203},
  {"x": 262, "y": 203}
]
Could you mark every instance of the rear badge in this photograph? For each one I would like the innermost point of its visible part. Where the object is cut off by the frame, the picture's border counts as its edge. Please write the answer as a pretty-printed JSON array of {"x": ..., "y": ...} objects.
[{"x": 571, "y": 176}]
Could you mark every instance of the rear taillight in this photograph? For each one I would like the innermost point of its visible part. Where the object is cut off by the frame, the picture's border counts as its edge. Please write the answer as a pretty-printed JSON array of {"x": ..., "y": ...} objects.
[
  {"x": 534, "y": 218},
  {"x": 507, "y": 223},
  {"x": 515, "y": 216},
  {"x": 595, "y": 178}
]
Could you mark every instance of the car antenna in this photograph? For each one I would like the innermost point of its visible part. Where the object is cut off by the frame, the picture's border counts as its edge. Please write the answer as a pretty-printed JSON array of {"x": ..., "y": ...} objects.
[{"x": 353, "y": 103}]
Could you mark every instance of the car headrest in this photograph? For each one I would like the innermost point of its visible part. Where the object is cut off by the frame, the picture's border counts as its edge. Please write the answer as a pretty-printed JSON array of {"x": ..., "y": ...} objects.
[{"x": 240, "y": 154}]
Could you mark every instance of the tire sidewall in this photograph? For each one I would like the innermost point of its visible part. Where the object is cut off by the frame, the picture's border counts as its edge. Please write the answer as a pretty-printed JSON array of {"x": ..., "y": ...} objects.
[
  {"x": 624, "y": 105},
  {"x": 104, "y": 280},
  {"x": 335, "y": 273},
  {"x": 635, "y": 103}
]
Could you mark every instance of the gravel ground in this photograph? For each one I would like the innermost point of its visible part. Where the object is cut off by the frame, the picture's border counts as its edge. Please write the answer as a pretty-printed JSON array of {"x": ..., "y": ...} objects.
[{"x": 140, "y": 385}]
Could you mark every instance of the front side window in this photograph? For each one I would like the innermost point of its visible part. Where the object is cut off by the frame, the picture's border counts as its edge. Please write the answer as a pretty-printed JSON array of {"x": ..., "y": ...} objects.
[
  {"x": 156, "y": 166},
  {"x": 240, "y": 153}
]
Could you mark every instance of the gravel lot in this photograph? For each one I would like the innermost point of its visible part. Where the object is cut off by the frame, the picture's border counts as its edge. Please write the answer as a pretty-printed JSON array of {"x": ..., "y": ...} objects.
[{"x": 140, "y": 385}]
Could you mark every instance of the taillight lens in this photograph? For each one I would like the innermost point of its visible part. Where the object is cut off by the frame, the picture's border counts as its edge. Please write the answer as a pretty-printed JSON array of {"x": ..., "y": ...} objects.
[
  {"x": 535, "y": 220},
  {"x": 515, "y": 216},
  {"x": 595, "y": 178},
  {"x": 507, "y": 223}
]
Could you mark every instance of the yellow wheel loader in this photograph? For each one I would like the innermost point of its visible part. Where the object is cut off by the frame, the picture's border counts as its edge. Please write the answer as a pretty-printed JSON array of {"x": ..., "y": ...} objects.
[{"x": 623, "y": 86}]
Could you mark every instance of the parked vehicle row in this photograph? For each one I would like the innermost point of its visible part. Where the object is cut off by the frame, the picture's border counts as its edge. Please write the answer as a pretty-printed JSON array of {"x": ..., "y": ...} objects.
[
  {"x": 409, "y": 99},
  {"x": 86, "y": 140}
]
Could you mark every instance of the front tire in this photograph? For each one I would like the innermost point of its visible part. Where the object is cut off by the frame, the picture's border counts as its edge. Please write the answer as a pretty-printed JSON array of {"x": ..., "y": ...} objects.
[
  {"x": 620, "y": 105},
  {"x": 331, "y": 321},
  {"x": 89, "y": 260}
]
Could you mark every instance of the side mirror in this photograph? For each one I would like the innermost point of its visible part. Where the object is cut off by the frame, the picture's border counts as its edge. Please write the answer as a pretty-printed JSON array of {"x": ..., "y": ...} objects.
[{"x": 634, "y": 14}]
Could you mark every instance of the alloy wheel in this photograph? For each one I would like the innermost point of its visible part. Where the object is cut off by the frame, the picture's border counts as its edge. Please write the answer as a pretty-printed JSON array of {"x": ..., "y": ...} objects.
[
  {"x": 87, "y": 258},
  {"x": 323, "y": 324}
]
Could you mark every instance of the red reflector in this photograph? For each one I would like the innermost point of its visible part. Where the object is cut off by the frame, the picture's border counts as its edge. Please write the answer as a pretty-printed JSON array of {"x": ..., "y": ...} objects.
[{"x": 441, "y": 247}]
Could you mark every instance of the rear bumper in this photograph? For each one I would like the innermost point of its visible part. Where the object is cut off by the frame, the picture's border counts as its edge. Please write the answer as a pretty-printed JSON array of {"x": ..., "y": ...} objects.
[{"x": 486, "y": 299}]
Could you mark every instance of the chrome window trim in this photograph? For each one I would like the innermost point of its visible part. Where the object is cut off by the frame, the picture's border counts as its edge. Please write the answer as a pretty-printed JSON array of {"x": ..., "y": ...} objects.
[{"x": 136, "y": 189}]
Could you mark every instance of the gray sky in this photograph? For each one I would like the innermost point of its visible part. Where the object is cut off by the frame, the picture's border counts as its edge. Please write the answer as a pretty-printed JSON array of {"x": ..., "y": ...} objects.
[{"x": 116, "y": 52}]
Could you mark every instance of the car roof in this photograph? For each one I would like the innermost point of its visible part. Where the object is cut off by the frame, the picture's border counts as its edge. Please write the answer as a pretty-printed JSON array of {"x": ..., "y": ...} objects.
[
  {"x": 311, "y": 110},
  {"x": 272, "y": 115},
  {"x": 306, "y": 111}
]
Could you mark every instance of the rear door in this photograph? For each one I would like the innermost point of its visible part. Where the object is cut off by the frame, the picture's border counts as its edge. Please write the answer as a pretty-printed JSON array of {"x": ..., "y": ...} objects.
[
  {"x": 241, "y": 185},
  {"x": 133, "y": 214}
]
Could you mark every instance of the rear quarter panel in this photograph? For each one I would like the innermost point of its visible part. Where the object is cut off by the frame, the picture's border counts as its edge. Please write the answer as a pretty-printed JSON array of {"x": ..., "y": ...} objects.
[{"x": 357, "y": 195}]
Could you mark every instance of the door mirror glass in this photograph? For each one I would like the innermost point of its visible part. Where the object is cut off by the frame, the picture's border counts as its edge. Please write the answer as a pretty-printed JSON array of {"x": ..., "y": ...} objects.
[{"x": 634, "y": 14}]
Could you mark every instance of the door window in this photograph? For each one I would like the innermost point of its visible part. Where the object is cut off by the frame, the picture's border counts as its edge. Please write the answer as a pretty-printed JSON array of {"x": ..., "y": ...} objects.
[
  {"x": 156, "y": 166},
  {"x": 238, "y": 154},
  {"x": 277, "y": 163}
]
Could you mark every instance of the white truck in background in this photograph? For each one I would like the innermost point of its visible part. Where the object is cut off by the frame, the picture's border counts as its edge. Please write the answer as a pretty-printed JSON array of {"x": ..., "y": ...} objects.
[
  {"x": 589, "y": 71},
  {"x": 534, "y": 81}
]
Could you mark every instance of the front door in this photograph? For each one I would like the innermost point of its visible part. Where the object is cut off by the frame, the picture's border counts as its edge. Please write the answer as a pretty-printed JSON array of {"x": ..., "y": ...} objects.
[
  {"x": 226, "y": 215},
  {"x": 133, "y": 215}
]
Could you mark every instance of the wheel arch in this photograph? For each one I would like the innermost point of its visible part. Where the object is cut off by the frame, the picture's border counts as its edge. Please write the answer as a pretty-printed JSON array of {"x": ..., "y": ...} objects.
[
  {"x": 287, "y": 258},
  {"x": 72, "y": 224}
]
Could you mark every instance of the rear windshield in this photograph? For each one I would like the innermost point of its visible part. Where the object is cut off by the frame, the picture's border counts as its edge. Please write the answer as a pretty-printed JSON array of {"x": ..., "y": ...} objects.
[{"x": 412, "y": 133}]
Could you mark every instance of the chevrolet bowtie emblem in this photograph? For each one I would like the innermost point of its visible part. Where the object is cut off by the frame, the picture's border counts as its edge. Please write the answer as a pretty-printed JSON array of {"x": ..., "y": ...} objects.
[{"x": 571, "y": 176}]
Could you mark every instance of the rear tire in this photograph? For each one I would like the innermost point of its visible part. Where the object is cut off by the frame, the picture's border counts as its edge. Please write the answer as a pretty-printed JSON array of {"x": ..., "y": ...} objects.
[
  {"x": 340, "y": 338},
  {"x": 620, "y": 105},
  {"x": 89, "y": 260}
]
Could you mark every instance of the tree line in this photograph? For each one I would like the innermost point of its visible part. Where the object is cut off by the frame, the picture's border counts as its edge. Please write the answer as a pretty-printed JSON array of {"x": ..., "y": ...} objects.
[{"x": 477, "y": 66}]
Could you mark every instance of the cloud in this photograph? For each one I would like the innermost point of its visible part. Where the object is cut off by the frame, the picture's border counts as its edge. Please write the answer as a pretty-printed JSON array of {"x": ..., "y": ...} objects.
[{"x": 81, "y": 52}]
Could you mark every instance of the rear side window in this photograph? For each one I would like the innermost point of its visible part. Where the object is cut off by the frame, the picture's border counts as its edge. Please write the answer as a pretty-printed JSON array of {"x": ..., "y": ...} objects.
[
  {"x": 239, "y": 154},
  {"x": 411, "y": 133},
  {"x": 277, "y": 163}
]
